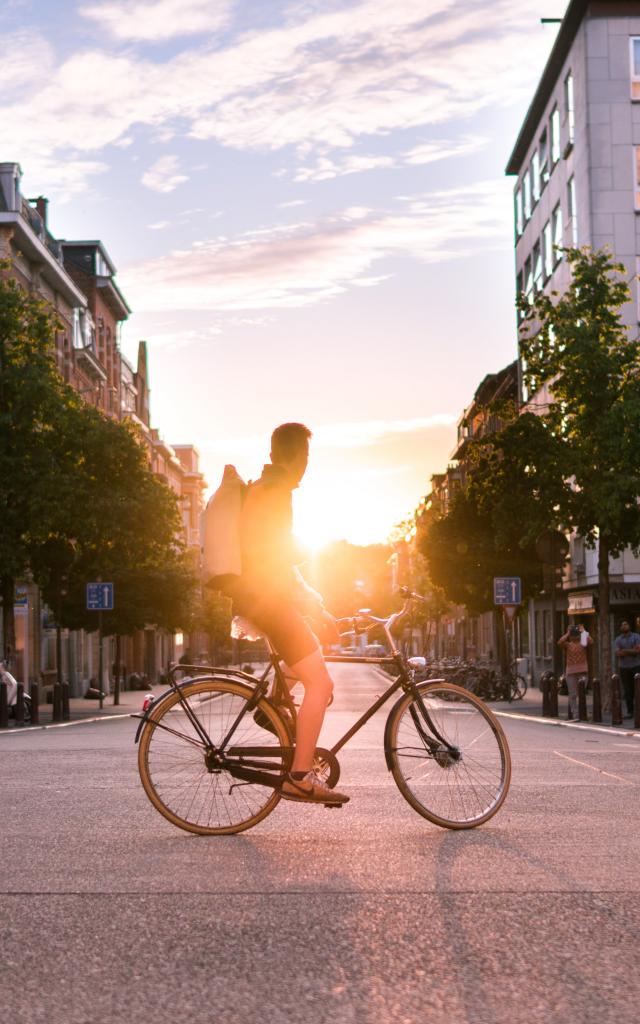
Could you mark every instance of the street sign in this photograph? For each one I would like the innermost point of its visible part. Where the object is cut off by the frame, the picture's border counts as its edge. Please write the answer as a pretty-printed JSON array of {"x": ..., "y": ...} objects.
[
  {"x": 507, "y": 590},
  {"x": 100, "y": 597},
  {"x": 509, "y": 611}
]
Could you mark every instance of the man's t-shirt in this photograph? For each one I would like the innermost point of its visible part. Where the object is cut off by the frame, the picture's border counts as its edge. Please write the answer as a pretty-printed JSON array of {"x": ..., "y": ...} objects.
[
  {"x": 625, "y": 642},
  {"x": 268, "y": 549}
]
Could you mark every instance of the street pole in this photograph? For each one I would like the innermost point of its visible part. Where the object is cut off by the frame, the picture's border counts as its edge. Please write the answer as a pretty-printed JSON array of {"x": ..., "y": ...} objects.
[{"x": 100, "y": 667}]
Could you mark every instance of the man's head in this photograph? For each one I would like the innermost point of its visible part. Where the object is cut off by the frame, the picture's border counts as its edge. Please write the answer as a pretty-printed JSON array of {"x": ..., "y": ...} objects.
[
  {"x": 290, "y": 448},
  {"x": 624, "y": 627}
]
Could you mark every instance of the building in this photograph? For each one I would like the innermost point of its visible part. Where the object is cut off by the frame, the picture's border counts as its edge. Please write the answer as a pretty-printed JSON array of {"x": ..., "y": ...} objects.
[{"x": 577, "y": 167}]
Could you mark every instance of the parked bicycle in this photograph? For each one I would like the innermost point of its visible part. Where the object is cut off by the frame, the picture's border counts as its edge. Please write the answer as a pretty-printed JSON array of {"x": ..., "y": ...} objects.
[{"x": 215, "y": 748}]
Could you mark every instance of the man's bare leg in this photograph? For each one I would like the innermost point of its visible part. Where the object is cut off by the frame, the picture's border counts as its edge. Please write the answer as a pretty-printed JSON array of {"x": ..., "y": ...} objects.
[{"x": 318, "y": 687}]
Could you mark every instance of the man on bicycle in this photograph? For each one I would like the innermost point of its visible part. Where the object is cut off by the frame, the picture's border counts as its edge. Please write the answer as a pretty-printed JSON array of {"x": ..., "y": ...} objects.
[{"x": 273, "y": 595}]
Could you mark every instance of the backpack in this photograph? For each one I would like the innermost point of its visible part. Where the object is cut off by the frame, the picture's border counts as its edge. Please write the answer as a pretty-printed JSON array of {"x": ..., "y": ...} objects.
[{"x": 220, "y": 529}]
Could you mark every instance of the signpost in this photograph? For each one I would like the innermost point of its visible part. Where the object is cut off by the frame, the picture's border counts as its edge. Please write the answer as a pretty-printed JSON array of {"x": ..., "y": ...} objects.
[
  {"x": 507, "y": 594},
  {"x": 100, "y": 599}
]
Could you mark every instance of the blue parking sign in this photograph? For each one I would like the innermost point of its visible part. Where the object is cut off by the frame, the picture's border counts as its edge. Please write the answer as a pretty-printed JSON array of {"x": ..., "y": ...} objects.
[
  {"x": 100, "y": 597},
  {"x": 507, "y": 590}
]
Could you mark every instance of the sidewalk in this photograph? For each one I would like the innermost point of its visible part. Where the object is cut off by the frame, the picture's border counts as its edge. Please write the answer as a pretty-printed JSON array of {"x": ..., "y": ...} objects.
[
  {"x": 531, "y": 707},
  {"x": 87, "y": 710}
]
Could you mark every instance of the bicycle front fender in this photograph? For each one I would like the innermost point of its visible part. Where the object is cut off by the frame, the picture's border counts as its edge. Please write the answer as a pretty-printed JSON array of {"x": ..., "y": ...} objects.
[{"x": 421, "y": 687}]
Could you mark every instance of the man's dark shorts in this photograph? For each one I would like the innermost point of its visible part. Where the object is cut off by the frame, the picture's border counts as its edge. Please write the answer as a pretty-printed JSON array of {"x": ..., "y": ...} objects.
[{"x": 280, "y": 620}]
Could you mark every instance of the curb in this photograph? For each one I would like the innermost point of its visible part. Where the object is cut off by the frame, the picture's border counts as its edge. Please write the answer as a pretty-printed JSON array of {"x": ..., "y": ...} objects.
[
  {"x": 64, "y": 725},
  {"x": 558, "y": 723}
]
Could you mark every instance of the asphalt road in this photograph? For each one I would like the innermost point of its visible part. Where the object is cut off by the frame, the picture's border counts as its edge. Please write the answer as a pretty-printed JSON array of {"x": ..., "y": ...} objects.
[{"x": 367, "y": 914}]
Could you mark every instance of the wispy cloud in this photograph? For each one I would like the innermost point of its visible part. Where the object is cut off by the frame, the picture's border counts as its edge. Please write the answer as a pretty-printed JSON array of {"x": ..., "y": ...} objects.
[
  {"x": 154, "y": 20},
  {"x": 426, "y": 153},
  {"x": 292, "y": 266},
  {"x": 321, "y": 82},
  {"x": 356, "y": 434},
  {"x": 163, "y": 175}
]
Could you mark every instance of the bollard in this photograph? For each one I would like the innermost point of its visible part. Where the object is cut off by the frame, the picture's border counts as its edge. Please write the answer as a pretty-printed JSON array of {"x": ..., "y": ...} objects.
[
  {"x": 553, "y": 695},
  {"x": 66, "y": 714},
  {"x": 582, "y": 700},
  {"x": 545, "y": 694},
  {"x": 4, "y": 707},
  {"x": 34, "y": 692},
  {"x": 20, "y": 704},
  {"x": 636, "y": 701},
  {"x": 57, "y": 703},
  {"x": 596, "y": 711},
  {"x": 616, "y": 704}
]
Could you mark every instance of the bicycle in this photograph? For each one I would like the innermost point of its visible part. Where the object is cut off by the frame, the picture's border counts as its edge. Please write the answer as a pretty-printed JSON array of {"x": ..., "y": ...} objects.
[{"x": 207, "y": 768}]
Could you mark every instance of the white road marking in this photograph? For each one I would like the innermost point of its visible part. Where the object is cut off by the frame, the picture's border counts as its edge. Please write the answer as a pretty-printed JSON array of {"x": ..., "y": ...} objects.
[{"x": 601, "y": 771}]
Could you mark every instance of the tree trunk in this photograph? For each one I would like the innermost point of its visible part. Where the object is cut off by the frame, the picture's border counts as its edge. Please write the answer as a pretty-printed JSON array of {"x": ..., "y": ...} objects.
[
  {"x": 7, "y": 586},
  {"x": 603, "y": 623},
  {"x": 116, "y": 672}
]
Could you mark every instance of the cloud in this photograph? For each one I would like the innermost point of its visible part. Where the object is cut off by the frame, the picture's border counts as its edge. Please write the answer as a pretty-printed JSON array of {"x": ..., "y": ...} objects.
[
  {"x": 426, "y": 153},
  {"x": 155, "y": 20},
  {"x": 330, "y": 436},
  {"x": 163, "y": 175},
  {"x": 159, "y": 225},
  {"x": 298, "y": 265},
  {"x": 320, "y": 82}
]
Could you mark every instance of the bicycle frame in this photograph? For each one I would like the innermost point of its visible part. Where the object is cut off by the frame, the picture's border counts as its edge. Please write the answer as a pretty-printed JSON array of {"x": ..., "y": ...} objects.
[{"x": 281, "y": 697}]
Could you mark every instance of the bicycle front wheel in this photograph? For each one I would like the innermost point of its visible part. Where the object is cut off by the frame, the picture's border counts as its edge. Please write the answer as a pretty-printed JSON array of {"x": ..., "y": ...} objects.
[
  {"x": 518, "y": 687},
  {"x": 448, "y": 755},
  {"x": 179, "y": 778}
]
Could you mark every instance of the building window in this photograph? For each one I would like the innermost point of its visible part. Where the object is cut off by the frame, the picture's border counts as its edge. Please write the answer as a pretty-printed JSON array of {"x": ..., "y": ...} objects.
[
  {"x": 537, "y": 268},
  {"x": 569, "y": 108},
  {"x": 518, "y": 212},
  {"x": 573, "y": 213},
  {"x": 554, "y": 131},
  {"x": 635, "y": 67},
  {"x": 556, "y": 219},
  {"x": 528, "y": 279},
  {"x": 526, "y": 194},
  {"x": 547, "y": 250},
  {"x": 535, "y": 176},
  {"x": 548, "y": 634},
  {"x": 543, "y": 159}
]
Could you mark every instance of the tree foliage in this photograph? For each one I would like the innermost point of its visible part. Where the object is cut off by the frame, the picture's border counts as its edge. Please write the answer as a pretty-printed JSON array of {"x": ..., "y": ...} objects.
[
  {"x": 582, "y": 366},
  {"x": 78, "y": 502}
]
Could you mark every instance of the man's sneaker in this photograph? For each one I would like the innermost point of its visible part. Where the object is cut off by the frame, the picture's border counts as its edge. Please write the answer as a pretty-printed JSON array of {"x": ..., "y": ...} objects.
[{"x": 311, "y": 790}]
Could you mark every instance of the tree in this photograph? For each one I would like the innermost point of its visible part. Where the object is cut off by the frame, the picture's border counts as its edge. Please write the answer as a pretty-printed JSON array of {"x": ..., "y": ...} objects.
[
  {"x": 578, "y": 349},
  {"x": 125, "y": 528},
  {"x": 78, "y": 501},
  {"x": 35, "y": 407}
]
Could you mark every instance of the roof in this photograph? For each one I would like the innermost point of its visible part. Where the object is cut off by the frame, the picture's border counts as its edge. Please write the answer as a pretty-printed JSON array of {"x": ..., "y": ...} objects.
[
  {"x": 91, "y": 244},
  {"x": 566, "y": 34}
]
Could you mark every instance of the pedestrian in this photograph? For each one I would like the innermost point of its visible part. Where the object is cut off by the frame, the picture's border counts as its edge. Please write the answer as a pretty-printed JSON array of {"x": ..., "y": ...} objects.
[
  {"x": 628, "y": 655},
  {"x": 575, "y": 642}
]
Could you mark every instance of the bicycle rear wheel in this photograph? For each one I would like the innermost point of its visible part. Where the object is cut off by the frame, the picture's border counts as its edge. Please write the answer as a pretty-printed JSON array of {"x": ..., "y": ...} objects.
[
  {"x": 179, "y": 778},
  {"x": 448, "y": 755}
]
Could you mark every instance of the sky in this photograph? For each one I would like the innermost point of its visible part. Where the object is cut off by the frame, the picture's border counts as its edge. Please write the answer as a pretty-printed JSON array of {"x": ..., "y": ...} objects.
[{"x": 307, "y": 207}]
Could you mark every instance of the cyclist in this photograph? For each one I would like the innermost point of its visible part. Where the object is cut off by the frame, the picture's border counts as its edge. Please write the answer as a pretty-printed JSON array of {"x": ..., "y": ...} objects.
[{"x": 271, "y": 593}]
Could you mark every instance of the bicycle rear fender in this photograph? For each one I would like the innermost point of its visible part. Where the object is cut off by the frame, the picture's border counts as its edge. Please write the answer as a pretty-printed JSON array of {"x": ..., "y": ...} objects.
[{"x": 240, "y": 678}]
